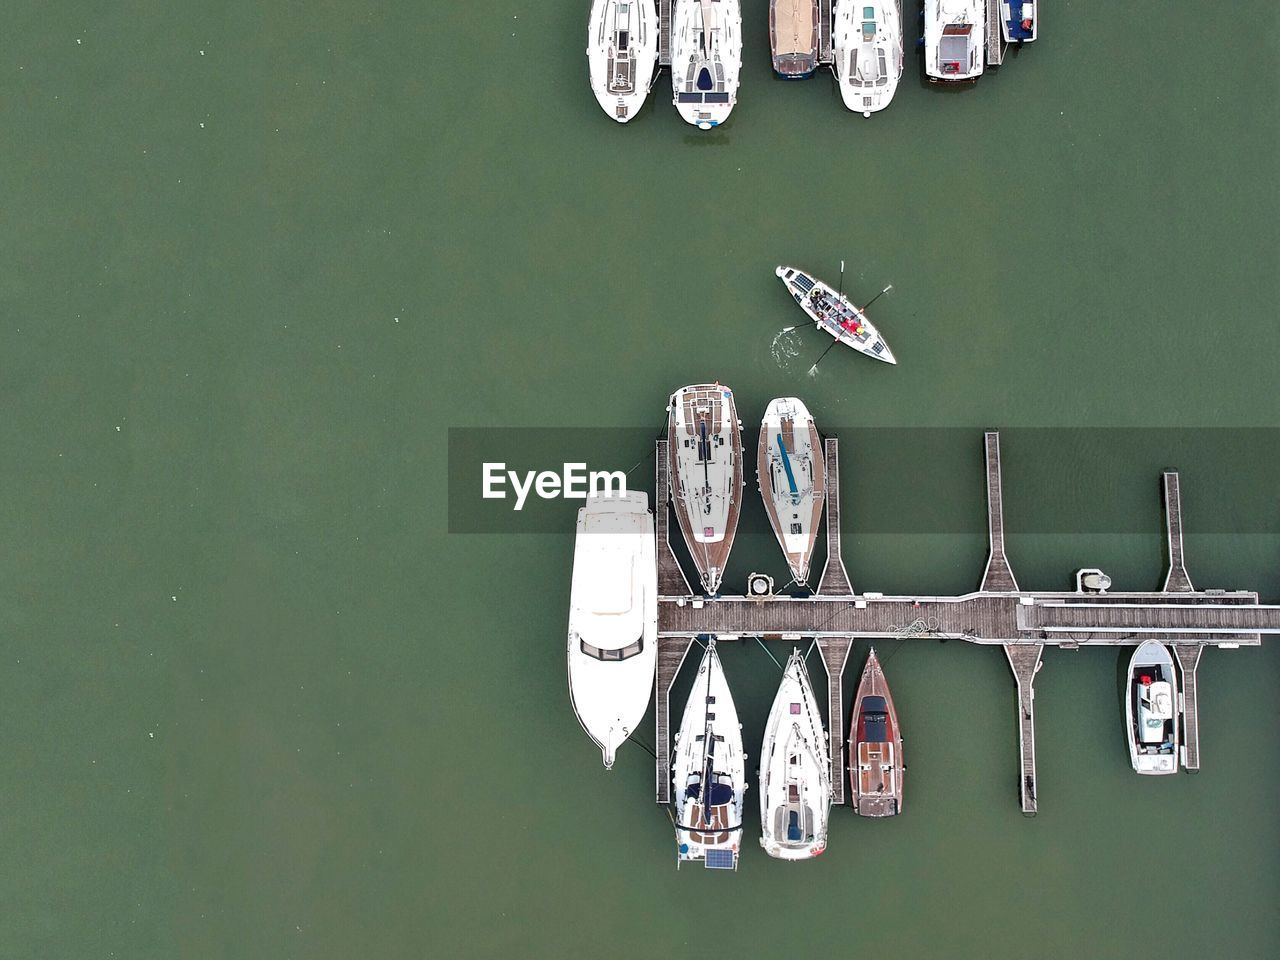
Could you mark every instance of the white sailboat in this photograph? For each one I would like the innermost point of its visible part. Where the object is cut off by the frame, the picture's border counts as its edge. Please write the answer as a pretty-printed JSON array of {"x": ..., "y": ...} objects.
[
  {"x": 795, "y": 772},
  {"x": 835, "y": 314},
  {"x": 792, "y": 474},
  {"x": 709, "y": 772},
  {"x": 955, "y": 36},
  {"x": 1019, "y": 20},
  {"x": 866, "y": 45},
  {"x": 622, "y": 52},
  {"x": 1151, "y": 710},
  {"x": 706, "y": 59},
  {"x": 613, "y": 618}
]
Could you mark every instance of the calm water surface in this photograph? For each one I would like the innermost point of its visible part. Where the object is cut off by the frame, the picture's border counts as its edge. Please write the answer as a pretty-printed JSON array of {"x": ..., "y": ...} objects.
[{"x": 257, "y": 702}]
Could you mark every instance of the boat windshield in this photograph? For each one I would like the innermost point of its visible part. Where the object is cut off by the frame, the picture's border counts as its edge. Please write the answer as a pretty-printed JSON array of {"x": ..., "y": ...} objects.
[{"x": 620, "y": 653}]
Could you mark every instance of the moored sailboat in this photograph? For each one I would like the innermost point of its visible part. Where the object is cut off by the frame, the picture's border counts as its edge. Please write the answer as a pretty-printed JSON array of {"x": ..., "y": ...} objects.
[
  {"x": 613, "y": 618},
  {"x": 622, "y": 53},
  {"x": 876, "y": 770},
  {"x": 866, "y": 45},
  {"x": 792, "y": 475},
  {"x": 1151, "y": 710},
  {"x": 706, "y": 60},
  {"x": 709, "y": 772},
  {"x": 705, "y": 446},
  {"x": 795, "y": 772}
]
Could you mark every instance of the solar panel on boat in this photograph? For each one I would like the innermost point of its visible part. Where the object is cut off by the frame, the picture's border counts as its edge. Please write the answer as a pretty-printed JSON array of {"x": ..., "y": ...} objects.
[
  {"x": 689, "y": 97},
  {"x": 719, "y": 860},
  {"x": 715, "y": 98},
  {"x": 802, "y": 281}
]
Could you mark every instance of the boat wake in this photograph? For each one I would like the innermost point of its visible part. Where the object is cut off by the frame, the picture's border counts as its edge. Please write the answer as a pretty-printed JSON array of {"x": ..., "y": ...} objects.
[{"x": 785, "y": 348}]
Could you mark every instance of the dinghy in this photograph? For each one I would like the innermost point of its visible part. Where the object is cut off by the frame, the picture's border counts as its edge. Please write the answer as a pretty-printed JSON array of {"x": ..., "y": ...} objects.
[
  {"x": 1151, "y": 710},
  {"x": 704, "y": 439},
  {"x": 835, "y": 314},
  {"x": 795, "y": 772},
  {"x": 613, "y": 618},
  {"x": 867, "y": 52},
  {"x": 955, "y": 37},
  {"x": 793, "y": 37},
  {"x": 622, "y": 53},
  {"x": 876, "y": 771},
  {"x": 1019, "y": 20},
  {"x": 706, "y": 59},
  {"x": 792, "y": 475},
  {"x": 709, "y": 772}
]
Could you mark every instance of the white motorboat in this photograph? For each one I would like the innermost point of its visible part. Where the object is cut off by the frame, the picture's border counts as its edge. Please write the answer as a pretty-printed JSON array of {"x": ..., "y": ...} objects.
[
  {"x": 955, "y": 37},
  {"x": 792, "y": 474},
  {"x": 622, "y": 52},
  {"x": 704, "y": 440},
  {"x": 866, "y": 45},
  {"x": 835, "y": 314},
  {"x": 1019, "y": 20},
  {"x": 795, "y": 772},
  {"x": 706, "y": 59},
  {"x": 613, "y": 618},
  {"x": 1151, "y": 710},
  {"x": 709, "y": 772}
]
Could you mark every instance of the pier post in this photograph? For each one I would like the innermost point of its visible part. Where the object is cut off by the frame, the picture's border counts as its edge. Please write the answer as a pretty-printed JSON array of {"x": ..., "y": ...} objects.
[
  {"x": 1024, "y": 659},
  {"x": 998, "y": 577},
  {"x": 1177, "y": 579},
  {"x": 835, "y": 653},
  {"x": 671, "y": 654},
  {"x": 1188, "y": 655},
  {"x": 835, "y": 579},
  {"x": 671, "y": 579}
]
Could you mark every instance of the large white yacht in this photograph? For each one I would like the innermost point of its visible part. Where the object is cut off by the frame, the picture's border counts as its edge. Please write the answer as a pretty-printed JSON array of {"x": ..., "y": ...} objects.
[
  {"x": 867, "y": 52},
  {"x": 795, "y": 773},
  {"x": 622, "y": 51},
  {"x": 706, "y": 59},
  {"x": 955, "y": 36},
  {"x": 613, "y": 618},
  {"x": 709, "y": 772}
]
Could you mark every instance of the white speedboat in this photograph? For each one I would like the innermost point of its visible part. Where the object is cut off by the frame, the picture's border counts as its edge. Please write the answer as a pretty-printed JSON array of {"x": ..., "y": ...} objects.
[
  {"x": 706, "y": 59},
  {"x": 613, "y": 618},
  {"x": 835, "y": 314},
  {"x": 866, "y": 45},
  {"x": 792, "y": 475},
  {"x": 793, "y": 37},
  {"x": 1019, "y": 20},
  {"x": 709, "y": 772},
  {"x": 704, "y": 440},
  {"x": 795, "y": 772},
  {"x": 622, "y": 51},
  {"x": 955, "y": 37},
  {"x": 1151, "y": 710}
]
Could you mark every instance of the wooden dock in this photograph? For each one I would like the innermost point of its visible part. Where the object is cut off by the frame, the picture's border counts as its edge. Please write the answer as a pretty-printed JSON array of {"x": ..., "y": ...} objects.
[
  {"x": 1023, "y": 622},
  {"x": 825, "y": 20},
  {"x": 995, "y": 39},
  {"x": 664, "y": 32}
]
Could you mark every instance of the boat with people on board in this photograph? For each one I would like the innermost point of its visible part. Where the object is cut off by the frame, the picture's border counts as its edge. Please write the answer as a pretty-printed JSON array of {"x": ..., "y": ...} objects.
[{"x": 835, "y": 314}]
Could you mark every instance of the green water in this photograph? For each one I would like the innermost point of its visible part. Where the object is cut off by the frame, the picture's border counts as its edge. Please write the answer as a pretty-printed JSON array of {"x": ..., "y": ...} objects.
[{"x": 257, "y": 702}]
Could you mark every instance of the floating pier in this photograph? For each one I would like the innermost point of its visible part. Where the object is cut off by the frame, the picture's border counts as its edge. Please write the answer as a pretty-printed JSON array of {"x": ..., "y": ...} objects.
[
  {"x": 995, "y": 39},
  {"x": 1022, "y": 622}
]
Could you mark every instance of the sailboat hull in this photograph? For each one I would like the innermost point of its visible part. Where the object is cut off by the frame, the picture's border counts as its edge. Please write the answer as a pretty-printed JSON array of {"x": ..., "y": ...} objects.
[{"x": 792, "y": 477}]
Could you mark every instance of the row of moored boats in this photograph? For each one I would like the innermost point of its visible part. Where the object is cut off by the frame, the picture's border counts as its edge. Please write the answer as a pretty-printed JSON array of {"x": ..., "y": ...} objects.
[{"x": 865, "y": 49}]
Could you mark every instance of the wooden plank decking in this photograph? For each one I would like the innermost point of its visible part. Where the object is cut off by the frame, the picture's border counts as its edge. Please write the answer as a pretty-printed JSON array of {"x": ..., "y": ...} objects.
[
  {"x": 995, "y": 39},
  {"x": 1188, "y": 655},
  {"x": 835, "y": 579},
  {"x": 1024, "y": 659},
  {"x": 999, "y": 575},
  {"x": 671, "y": 654},
  {"x": 664, "y": 32},
  {"x": 824, "y": 31},
  {"x": 671, "y": 579},
  {"x": 835, "y": 654},
  {"x": 1177, "y": 580}
]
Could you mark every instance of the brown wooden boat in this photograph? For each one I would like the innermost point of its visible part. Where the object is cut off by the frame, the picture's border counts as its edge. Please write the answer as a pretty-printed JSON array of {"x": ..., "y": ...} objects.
[
  {"x": 705, "y": 445},
  {"x": 875, "y": 746},
  {"x": 793, "y": 478}
]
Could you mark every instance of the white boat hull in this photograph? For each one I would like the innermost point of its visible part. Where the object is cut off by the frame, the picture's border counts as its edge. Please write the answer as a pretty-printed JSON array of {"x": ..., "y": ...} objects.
[
  {"x": 622, "y": 54},
  {"x": 1019, "y": 20},
  {"x": 706, "y": 60},
  {"x": 1157, "y": 755},
  {"x": 867, "y": 53},
  {"x": 613, "y": 619},
  {"x": 792, "y": 476},
  {"x": 835, "y": 314},
  {"x": 795, "y": 772},
  {"x": 955, "y": 38}
]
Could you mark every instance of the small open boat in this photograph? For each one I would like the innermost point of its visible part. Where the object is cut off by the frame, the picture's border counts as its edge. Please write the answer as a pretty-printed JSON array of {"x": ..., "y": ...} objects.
[
  {"x": 705, "y": 445},
  {"x": 792, "y": 474},
  {"x": 867, "y": 52},
  {"x": 876, "y": 770},
  {"x": 1151, "y": 710},
  {"x": 622, "y": 53},
  {"x": 709, "y": 772},
  {"x": 1019, "y": 20},
  {"x": 795, "y": 773},
  {"x": 613, "y": 618},
  {"x": 706, "y": 59},
  {"x": 834, "y": 313},
  {"x": 955, "y": 39},
  {"x": 793, "y": 37}
]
